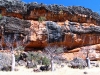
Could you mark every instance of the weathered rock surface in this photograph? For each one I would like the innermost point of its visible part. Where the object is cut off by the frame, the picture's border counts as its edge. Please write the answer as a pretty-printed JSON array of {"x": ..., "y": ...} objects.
[
  {"x": 75, "y": 27},
  {"x": 75, "y": 38},
  {"x": 72, "y": 34},
  {"x": 54, "y": 32},
  {"x": 14, "y": 25},
  {"x": 61, "y": 13},
  {"x": 14, "y": 6},
  {"x": 32, "y": 11},
  {"x": 94, "y": 52}
]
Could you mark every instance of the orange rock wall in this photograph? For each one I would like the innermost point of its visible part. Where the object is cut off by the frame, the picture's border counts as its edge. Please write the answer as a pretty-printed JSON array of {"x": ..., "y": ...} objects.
[
  {"x": 37, "y": 34},
  {"x": 79, "y": 52},
  {"x": 73, "y": 44},
  {"x": 60, "y": 17},
  {"x": 39, "y": 39},
  {"x": 5, "y": 13}
]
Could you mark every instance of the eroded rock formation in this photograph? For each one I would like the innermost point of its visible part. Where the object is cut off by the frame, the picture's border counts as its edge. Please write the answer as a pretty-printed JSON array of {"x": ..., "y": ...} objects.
[
  {"x": 12, "y": 30},
  {"x": 32, "y": 11},
  {"x": 54, "y": 32},
  {"x": 14, "y": 25},
  {"x": 72, "y": 34},
  {"x": 75, "y": 36},
  {"x": 75, "y": 27}
]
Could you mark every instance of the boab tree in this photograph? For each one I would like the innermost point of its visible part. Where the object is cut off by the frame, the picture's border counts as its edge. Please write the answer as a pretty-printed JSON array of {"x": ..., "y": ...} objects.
[
  {"x": 53, "y": 50},
  {"x": 10, "y": 40},
  {"x": 13, "y": 30}
]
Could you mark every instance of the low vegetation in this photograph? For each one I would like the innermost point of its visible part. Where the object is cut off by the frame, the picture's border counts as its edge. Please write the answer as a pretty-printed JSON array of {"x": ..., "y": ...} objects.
[
  {"x": 41, "y": 19},
  {"x": 45, "y": 61}
]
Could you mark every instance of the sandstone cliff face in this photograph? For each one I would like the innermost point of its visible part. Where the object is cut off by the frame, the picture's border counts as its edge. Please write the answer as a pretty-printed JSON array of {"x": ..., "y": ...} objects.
[
  {"x": 77, "y": 37},
  {"x": 75, "y": 27},
  {"x": 13, "y": 30},
  {"x": 72, "y": 34},
  {"x": 33, "y": 11}
]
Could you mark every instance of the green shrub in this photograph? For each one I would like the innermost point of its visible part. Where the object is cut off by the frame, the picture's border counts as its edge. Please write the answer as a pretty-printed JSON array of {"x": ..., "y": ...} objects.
[
  {"x": 17, "y": 57},
  {"x": 34, "y": 56},
  {"x": 0, "y": 16},
  {"x": 41, "y": 18},
  {"x": 45, "y": 61},
  {"x": 21, "y": 48}
]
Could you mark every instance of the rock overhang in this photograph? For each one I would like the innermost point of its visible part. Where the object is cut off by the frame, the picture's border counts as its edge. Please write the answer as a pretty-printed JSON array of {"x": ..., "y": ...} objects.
[{"x": 25, "y": 8}]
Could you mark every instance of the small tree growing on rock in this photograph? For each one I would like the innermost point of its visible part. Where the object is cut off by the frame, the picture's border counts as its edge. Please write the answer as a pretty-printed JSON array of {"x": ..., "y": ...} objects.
[
  {"x": 53, "y": 50},
  {"x": 41, "y": 19}
]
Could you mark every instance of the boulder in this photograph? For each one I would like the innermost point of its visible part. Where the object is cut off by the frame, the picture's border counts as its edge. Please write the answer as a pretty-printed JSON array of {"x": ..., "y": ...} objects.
[
  {"x": 78, "y": 63},
  {"x": 6, "y": 68},
  {"x": 30, "y": 64},
  {"x": 21, "y": 63},
  {"x": 5, "y": 61},
  {"x": 44, "y": 68}
]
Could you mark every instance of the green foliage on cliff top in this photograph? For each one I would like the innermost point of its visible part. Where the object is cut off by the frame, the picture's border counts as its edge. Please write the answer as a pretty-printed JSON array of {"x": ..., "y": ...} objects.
[{"x": 41, "y": 19}]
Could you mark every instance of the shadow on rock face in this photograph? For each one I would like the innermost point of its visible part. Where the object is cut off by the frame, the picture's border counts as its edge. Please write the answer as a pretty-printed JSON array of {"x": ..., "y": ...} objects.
[{"x": 54, "y": 32}]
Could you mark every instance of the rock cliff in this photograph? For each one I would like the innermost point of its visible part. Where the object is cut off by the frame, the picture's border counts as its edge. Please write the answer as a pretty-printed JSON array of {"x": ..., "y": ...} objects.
[
  {"x": 75, "y": 27},
  {"x": 77, "y": 37},
  {"x": 32, "y": 11}
]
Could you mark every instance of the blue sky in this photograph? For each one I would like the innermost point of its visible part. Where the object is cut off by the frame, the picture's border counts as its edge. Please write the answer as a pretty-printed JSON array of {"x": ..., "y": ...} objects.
[{"x": 92, "y": 4}]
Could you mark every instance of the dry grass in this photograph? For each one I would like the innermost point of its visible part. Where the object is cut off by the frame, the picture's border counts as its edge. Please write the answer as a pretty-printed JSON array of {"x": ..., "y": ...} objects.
[{"x": 61, "y": 71}]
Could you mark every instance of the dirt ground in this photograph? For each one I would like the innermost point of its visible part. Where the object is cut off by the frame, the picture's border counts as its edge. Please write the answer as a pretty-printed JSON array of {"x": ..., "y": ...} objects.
[{"x": 62, "y": 71}]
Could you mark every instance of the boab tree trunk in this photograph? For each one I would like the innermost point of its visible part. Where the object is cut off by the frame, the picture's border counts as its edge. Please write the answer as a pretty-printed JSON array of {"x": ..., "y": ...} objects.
[
  {"x": 13, "y": 59},
  {"x": 88, "y": 60},
  {"x": 52, "y": 64}
]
